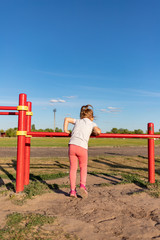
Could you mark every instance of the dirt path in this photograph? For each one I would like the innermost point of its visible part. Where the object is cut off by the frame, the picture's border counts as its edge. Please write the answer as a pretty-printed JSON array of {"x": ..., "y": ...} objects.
[
  {"x": 117, "y": 212},
  {"x": 93, "y": 151}
]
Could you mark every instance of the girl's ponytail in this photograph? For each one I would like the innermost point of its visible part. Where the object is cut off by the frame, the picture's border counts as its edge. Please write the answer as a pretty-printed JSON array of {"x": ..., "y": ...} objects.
[{"x": 86, "y": 111}]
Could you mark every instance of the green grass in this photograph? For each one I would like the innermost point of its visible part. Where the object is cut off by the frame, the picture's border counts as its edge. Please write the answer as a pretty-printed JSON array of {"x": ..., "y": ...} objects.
[
  {"x": 33, "y": 226},
  {"x": 63, "y": 142},
  {"x": 25, "y": 226}
]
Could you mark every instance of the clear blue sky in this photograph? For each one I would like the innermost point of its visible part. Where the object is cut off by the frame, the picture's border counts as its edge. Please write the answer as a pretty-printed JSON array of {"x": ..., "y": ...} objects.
[{"x": 100, "y": 52}]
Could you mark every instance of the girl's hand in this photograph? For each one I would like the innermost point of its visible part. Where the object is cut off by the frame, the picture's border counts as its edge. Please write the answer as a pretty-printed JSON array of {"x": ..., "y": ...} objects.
[
  {"x": 96, "y": 131},
  {"x": 67, "y": 132}
]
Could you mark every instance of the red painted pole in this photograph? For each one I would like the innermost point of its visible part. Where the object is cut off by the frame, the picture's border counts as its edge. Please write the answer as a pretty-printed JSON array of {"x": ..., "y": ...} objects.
[
  {"x": 7, "y": 108},
  {"x": 8, "y": 113},
  {"x": 21, "y": 142},
  {"x": 48, "y": 134},
  {"x": 151, "y": 162},
  {"x": 102, "y": 135},
  {"x": 27, "y": 144}
]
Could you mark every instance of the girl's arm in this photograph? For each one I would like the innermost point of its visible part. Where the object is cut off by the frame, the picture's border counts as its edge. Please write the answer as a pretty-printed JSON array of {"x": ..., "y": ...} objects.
[
  {"x": 96, "y": 131},
  {"x": 67, "y": 120}
]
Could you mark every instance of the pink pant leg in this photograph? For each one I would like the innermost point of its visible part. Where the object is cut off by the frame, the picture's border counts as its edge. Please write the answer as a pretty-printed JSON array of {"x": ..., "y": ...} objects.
[
  {"x": 83, "y": 160},
  {"x": 76, "y": 152},
  {"x": 73, "y": 166}
]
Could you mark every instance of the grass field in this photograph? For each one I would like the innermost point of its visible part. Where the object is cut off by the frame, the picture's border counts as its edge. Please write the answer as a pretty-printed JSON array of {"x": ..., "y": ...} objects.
[
  {"x": 63, "y": 142},
  {"x": 48, "y": 168}
]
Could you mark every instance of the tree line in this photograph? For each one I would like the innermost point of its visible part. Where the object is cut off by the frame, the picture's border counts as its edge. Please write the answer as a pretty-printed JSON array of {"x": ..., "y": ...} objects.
[
  {"x": 11, "y": 132},
  {"x": 126, "y": 131}
]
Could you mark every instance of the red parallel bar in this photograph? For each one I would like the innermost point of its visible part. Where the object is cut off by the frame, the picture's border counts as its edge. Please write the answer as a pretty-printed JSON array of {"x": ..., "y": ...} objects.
[
  {"x": 21, "y": 145},
  {"x": 7, "y": 108},
  {"x": 102, "y": 135},
  {"x": 116, "y": 135},
  {"x": 27, "y": 146},
  {"x": 151, "y": 161},
  {"x": 48, "y": 134},
  {"x": 8, "y": 113}
]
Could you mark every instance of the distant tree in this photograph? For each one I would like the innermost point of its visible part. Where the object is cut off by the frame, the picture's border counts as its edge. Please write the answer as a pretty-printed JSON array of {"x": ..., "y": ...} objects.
[
  {"x": 33, "y": 128},
  {"x": 123, "y": 130},
  {"x": 58, "y": 129},
  {"x": 1, "y": 131},
  {"x": 48, "y": 130},
  {"x": 114, "y": 130},
  {"x": 126, "y": 131},
  {"x": 40, "y": 130},
  {"x": 11, "y": 132},
  {"x": 138, "y": 131}
]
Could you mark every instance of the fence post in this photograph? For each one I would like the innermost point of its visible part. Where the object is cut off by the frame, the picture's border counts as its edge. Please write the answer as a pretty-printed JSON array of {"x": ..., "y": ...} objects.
[
  {"x": 27, "y": 144},
  {"x": 151, "y": 162},
  {"x": 21, "y": 142}
]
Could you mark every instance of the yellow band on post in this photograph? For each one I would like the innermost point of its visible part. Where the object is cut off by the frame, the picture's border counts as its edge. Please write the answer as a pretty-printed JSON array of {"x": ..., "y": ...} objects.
[
  {"x": 21, "y": 133},
  {"x": 29, "y": 113},
  {"x": 20, "y": 108},
  {"x": 28, "y": 136}
]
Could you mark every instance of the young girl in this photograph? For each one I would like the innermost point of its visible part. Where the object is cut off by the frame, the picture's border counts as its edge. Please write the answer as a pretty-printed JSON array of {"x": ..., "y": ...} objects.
[{"x": 78, "y": 147}]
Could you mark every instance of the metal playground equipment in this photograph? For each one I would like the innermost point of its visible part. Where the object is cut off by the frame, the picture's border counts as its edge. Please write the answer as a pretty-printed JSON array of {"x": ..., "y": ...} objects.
[{"x": 24, "y": 134}]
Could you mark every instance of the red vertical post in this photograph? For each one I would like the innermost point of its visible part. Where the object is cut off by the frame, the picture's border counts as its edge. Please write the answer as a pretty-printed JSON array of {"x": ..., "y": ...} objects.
[
  {"x": 151, "y": 162},
  {"x": 21, "y": 142},
  {"x": 27, "y": 144}
]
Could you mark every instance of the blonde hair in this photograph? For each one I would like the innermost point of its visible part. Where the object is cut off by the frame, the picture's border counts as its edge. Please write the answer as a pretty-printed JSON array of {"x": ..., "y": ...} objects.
[{"x": 86, "y": 112}]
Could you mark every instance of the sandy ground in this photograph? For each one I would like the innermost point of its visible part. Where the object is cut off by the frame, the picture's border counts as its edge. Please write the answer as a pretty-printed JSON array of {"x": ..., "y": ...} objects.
[{"x": 117, "y": 212}]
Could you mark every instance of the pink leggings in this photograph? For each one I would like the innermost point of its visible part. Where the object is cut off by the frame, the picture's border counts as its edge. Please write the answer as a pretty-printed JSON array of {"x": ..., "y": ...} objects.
[{"x": 76, "y": 152}]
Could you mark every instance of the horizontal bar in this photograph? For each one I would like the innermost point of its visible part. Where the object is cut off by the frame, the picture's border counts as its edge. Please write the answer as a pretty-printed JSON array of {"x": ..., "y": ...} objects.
[
  {"x": 102, "y": 135},
  {"x": 9, "y": 113},
  {"x": 121, "y": 135},
  {"x": 48, "y": 134},
  {"x": 7, "y": 108}
]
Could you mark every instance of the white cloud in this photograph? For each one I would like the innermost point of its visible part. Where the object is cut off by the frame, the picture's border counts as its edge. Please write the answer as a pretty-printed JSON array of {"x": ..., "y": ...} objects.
[
  {"x": 61, "y": 101},
  {"x": 70, "y": 97},
  {"x": 57, "y": 101},
  {"x": 103, "y": 110},
  {"x": 53, "y": 100},
  {"x": 110, "y": 110}
]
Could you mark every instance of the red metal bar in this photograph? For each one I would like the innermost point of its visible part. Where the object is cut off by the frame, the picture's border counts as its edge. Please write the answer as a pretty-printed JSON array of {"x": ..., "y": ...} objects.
[
  {"x": 102, "y": 135},
  {"x": 7, "y": 108},
  {"x": 48, "y": 134},
  {"x": 21, "y": 144},
  {"x": 116, "y": 135},
  {"x": 27, "y": 146},
  {"x": 151, "y": 161},
  {"x": 8, "y": 113}
]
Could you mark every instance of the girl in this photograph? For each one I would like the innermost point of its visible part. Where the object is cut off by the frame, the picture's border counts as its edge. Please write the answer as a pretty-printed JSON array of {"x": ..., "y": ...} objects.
[{"x": 78, "y": 147}]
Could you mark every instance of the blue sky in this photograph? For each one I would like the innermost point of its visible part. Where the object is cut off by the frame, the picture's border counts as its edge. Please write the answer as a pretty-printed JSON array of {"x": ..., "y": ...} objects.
[{"x": 100, "y": 52}]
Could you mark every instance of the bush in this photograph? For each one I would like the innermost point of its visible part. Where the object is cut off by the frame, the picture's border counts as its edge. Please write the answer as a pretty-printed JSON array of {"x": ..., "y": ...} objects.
[{"x": 11, "y": 132}]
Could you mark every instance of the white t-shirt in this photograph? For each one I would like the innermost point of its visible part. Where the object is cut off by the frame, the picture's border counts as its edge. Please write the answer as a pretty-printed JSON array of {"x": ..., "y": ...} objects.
[{"x": 81, "y": 132}]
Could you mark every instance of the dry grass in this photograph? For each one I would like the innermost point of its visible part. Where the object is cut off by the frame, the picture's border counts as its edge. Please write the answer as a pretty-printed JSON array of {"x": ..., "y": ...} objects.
[{"x": 102, "y": 164}]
